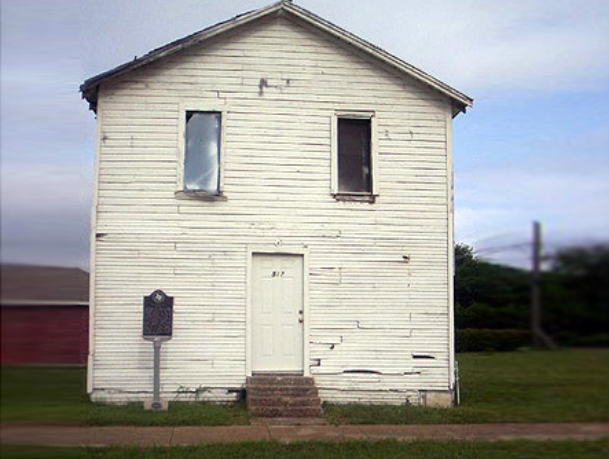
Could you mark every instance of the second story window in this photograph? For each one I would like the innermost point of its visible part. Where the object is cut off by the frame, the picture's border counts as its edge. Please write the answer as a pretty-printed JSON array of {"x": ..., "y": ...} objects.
[
  {"x": 202, "y": 140},
  {"x": 354, "y": 164},
  {"x": 354, "y": 156}
]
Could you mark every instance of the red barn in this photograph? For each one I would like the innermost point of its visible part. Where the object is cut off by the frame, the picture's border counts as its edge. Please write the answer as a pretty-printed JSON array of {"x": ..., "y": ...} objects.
[{"x": 45, "y": 315}]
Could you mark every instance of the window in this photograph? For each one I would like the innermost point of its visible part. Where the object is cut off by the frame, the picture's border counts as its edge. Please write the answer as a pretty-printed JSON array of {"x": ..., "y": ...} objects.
[
  {"x": 202, "y": 141},
  {"x": 354, "y": 165},
  {"x": 354, "y": 154}
]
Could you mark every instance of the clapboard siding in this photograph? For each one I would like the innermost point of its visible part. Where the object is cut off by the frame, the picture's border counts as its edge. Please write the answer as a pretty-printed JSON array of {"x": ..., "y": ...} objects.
[{"x": 368, "y": 309}]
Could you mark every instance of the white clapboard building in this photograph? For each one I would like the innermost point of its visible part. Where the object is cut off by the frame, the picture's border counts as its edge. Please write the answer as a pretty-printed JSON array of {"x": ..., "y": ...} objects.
[{"x": 290, "y": 185}]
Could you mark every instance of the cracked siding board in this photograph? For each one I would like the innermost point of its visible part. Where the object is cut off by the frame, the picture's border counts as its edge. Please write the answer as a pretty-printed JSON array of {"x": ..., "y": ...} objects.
[{"x": 196, "y": 251}]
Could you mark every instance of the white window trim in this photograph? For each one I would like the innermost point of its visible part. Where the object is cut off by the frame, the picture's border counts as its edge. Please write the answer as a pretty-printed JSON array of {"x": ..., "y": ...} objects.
[
  {"x": 356, "y": 114},
  {"x": 200, "y": 106}
]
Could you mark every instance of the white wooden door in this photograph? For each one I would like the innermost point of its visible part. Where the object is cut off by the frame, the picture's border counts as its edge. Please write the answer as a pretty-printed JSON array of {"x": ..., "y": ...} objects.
[{"x": 277, "y": 313}]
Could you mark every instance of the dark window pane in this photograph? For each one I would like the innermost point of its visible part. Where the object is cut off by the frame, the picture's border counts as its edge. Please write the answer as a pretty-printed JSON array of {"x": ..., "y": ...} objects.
[
  {"x": 354, "y": 166},
  {"x": 202, "y": 151}
]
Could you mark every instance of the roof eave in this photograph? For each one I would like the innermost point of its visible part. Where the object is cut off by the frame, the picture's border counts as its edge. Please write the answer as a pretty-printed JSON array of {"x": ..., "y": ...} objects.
[
  {"x": 459, "y": 99},
  {"x": 90, "y": 87}
]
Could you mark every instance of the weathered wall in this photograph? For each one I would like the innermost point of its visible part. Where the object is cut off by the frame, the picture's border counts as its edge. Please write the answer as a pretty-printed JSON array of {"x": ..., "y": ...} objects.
[{"x": 368, "y": 308}]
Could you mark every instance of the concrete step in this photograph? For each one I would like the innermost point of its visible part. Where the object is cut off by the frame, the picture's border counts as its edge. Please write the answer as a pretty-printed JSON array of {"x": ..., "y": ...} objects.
[
  {"x": 282, "y": 391},
  {"x": 286, "y": 412},
  {"x": 282, "y": 401},
  {"x": 280, "y": 380},
  {"x": 283, "y": 396}
]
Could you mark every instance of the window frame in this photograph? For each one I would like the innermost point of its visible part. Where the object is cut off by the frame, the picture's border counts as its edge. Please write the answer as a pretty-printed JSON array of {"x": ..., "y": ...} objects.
[
  {"x": 198, "y": 106},
  {"x": 356, "y": 115}
]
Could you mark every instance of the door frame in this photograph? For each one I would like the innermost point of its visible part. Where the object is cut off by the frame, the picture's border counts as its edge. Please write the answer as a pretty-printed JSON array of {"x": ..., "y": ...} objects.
[{"x": 302, "y": 251}]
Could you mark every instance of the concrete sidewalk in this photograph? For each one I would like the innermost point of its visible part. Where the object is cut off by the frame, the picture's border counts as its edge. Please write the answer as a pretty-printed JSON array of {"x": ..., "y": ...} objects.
[{"x": 186, "y": 435}]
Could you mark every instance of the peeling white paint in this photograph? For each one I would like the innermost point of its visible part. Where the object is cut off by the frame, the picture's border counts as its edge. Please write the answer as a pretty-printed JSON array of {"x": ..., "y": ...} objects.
[{"x": 368, "y": 309}]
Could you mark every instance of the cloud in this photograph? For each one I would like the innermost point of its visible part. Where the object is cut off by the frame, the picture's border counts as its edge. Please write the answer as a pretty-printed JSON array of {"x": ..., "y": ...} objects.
[
  {"x": 43, "y": 119},
  {"x": 475, "y": 45},
  {"x": 45, "y": 213},
  {"x": 568, "y": 193},
  {"x": 523, "y": 45},
  {"x": 114, "y": 31},
  {"x": 479, "y": 45}
]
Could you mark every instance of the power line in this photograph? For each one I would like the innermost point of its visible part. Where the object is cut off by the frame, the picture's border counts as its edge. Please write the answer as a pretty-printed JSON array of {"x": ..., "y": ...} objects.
[{"x": 503, "y": 248}]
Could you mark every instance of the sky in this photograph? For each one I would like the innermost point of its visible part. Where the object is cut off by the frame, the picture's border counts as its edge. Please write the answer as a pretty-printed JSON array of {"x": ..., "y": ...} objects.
[{"x": 535, "y": 146}]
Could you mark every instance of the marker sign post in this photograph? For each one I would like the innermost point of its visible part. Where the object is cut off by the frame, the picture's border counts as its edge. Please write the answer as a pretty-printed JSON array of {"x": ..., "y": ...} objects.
[{"x": 158, "y": 327}]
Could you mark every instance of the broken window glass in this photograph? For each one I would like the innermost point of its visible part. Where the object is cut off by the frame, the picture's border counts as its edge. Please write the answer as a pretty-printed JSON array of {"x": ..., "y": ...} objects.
[
  {"x": 202, "y": 152},
  {"x": 354, "y": 164}
]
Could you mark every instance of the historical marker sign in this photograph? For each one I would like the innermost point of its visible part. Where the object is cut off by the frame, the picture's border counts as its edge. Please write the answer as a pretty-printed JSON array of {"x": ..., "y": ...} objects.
[
  {"x": 158, "y": 327},
  {"x": 158, "y": 315}
]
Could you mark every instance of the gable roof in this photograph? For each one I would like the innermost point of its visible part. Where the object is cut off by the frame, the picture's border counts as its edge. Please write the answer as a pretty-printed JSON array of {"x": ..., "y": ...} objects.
[
  {"x": 31, "y": 285},
  {"x": 90, "y": 87}
]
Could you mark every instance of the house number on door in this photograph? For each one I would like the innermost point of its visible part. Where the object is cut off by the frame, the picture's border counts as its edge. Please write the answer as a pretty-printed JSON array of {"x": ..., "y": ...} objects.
[{"x": 278, "y": 273}]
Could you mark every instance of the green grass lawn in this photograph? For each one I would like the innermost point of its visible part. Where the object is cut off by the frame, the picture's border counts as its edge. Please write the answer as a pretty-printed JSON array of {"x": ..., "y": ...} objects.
[
  {"x": 179, "y": 413},
  {"x": 43, "y": 395},
  {"x": 535, "y": 386},
  {"x": 530, "y": 386},
  {"x": 29, "y": 452},
  {"x": 57, "y": 396},
  {"x": 386, "y": 449}
]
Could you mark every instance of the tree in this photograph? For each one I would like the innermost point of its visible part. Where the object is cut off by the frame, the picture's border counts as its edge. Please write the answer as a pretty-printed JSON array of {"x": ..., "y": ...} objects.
[
  {"x": 574, "y": 291},
  {"x": 577, "y": 294},
  {"x": 466, "y": 266},
  {"x": 488, "y": 295}
]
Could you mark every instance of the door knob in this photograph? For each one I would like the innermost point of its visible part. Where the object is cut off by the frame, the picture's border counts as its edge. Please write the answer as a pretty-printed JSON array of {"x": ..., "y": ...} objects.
[{"x": 300, "y": 316}]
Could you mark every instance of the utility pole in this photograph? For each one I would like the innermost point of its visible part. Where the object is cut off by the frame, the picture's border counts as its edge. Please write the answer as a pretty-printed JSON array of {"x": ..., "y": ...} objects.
[
  {"x": 540, "y": 338},
  {"x": 535, "y": 291}
]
